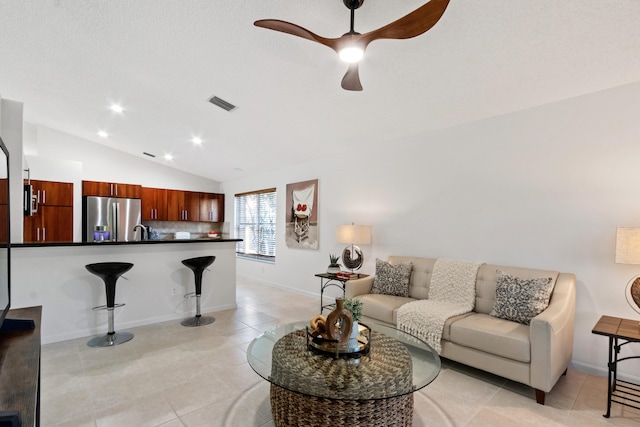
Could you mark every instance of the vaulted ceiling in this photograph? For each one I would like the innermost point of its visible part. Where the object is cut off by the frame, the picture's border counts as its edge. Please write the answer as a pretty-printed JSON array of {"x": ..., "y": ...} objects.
[{"x": 68, "y": 60}]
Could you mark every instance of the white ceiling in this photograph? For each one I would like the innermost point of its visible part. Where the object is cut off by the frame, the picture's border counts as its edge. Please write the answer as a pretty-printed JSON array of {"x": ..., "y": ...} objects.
[{"x": 67, "y": 60}]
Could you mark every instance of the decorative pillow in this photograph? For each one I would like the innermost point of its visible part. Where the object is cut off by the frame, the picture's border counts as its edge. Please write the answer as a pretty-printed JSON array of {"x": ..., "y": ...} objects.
[
  {"x": 519, "y": 299},
  {"x": 391, "y": 279}
]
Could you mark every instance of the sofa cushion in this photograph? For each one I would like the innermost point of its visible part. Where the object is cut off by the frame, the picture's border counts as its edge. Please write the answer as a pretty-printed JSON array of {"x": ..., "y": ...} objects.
[
  {"x": 420, "y": 274},
  {"x": 487, "y": 281},
  {"x": 520, "y": 299},
  {"x": 382, "y": 307},
  {"x": 391, "y": 279},
  {"x": 492, "y": 335},
  {"x": 446, "y": 331}
]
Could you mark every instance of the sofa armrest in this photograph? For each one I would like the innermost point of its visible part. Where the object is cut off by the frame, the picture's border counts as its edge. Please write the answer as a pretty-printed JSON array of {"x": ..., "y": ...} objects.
[
  {"x": 551, "y": 334},
  {"x": 358, "y": 287}
]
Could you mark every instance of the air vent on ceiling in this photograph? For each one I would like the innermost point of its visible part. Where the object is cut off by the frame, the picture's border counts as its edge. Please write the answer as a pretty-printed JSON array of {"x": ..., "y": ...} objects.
[
  {"x": 148, "y": 154},
  {"x": 222, "y": 103}
]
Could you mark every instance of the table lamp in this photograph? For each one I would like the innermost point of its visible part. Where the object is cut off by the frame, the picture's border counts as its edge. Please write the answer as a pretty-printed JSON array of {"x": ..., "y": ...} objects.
[
  {"x": 353, "y": 235},
  {"x": 628, "y": 252}
]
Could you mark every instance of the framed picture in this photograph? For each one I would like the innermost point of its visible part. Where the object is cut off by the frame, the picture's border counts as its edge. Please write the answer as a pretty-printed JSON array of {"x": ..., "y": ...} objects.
[{"x": 302, "y": 215}]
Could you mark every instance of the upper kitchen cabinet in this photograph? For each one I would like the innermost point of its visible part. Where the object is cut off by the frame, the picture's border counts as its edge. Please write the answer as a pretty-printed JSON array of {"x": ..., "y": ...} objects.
[
  {"x": 154, "y": 204},
  {"x": 183, "y": 205},
  {"x": 52, "y": 193},
  {"x": 211, "y": 207},
  {"x": 111, "y": 189},
  {"x": 51, "y": 218}
]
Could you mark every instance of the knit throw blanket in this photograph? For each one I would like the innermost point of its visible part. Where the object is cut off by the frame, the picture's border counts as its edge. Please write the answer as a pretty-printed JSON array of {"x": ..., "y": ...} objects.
[{"x": 452, "y": 292}]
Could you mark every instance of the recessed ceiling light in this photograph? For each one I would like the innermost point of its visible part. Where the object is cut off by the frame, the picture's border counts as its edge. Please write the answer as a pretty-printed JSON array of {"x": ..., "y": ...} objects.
[
  {"x": 116, "y": 108},
  {"x": 103, "y": 134},
  {"x": 168, "y": 157},
  {"x": 196, "y": 140}
]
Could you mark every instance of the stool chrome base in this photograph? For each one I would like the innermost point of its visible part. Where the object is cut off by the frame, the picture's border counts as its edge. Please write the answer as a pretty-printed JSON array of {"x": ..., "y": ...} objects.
[
  {"x": 110, "y": 340},
  {"x": 198, "y": 321}
]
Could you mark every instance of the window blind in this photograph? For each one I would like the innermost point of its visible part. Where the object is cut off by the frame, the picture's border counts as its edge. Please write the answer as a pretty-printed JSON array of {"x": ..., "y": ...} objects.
[{"x": 256, "y": 224}]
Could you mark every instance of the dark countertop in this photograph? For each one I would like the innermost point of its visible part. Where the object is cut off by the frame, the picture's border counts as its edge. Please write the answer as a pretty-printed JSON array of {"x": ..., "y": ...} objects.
[{"x": 136, "y": 242}]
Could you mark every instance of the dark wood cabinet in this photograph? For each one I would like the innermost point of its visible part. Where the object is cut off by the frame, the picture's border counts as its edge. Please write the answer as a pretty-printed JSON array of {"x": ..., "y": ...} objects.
[
  {"x": 111, "y": 189},
  {"x": 20, "y": 373},
  {"x": 52, "y": 220},
  {"x": 49, "y": 224},
  {"x": 211, "y": 207},
  {"x": 183, "y": 205},
  {"x": 4, "y": 211},
  {"x": 154, "y": 204},
  {"x": 52, "y": 193}
]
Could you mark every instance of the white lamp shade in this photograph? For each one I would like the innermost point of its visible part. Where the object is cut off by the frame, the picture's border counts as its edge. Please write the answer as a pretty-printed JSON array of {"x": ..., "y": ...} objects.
[
  {"x": 628, "y": 245},
  {"x": 354, "y": 234}
]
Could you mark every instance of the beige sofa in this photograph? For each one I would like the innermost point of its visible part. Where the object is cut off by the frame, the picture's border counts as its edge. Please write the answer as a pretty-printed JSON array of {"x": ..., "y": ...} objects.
[{"x": 535, "y": 355}]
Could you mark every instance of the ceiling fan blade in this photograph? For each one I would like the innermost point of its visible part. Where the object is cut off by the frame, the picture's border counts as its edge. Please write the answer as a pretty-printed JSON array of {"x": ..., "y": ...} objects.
[
  {"x": 415, "y": 23},
  {"x": 296, "y": 30},
  {"x": 351, "y": 80}
]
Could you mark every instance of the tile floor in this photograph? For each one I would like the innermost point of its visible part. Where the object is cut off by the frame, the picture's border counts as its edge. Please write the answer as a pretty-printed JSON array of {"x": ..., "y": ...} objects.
[{"x": 173, "y": 376}]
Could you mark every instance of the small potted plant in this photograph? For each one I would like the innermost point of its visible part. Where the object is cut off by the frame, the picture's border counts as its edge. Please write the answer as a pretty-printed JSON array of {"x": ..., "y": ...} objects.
[
  {"x": 354, "y": 305},
  {"x": 334, "y": 265}
]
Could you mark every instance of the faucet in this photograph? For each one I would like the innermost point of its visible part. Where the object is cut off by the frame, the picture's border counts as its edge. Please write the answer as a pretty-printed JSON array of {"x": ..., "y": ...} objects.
[{"x": 144, "y": 235}]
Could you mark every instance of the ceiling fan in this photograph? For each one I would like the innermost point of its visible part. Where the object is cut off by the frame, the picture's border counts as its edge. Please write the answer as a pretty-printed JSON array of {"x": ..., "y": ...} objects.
[{"x": 351, "y": 46}]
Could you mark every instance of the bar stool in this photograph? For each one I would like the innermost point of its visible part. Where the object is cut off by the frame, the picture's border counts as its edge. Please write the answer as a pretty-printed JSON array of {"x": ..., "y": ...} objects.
[
  {"x": 198, "y": 265},
  {"x": 109, "y": 272}
]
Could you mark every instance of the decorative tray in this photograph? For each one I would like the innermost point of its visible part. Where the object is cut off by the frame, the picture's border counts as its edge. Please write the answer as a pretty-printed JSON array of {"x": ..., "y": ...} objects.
[{"x": 355, "y": 348}]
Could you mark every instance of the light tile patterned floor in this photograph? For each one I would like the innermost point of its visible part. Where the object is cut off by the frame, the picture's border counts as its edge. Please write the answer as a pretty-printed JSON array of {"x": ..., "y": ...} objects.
[{"x": 173, "y": 376}]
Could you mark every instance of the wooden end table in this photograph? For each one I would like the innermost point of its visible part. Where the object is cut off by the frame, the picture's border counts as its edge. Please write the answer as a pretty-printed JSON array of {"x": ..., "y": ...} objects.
[
  {"x": 628, "y": 331},
  {"x": 328, "y": 279}
]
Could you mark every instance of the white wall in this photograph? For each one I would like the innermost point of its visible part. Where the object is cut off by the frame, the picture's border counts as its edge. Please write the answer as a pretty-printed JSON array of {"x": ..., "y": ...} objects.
[
  {"x": 101, "y": 163},
  {"x": 543, "y": 188}
]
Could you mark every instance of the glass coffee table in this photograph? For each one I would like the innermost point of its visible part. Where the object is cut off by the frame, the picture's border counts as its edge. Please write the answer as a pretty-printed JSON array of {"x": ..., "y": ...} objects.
[{"x": 316, "y": 389}]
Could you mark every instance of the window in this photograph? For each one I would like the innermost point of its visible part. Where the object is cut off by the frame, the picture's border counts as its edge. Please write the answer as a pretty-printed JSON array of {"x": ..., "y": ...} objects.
[{"x": 256, "y": 224}]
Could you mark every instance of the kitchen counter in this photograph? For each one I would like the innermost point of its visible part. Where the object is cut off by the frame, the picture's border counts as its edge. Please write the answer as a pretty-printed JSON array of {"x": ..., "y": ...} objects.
[
  {"x": 132, "y": 242},
  {"x": 54, "y": 276}
]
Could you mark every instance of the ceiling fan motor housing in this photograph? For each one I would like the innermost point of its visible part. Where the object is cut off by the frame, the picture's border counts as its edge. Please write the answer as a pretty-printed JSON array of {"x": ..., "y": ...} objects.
[{"x": 353, "y": 4}]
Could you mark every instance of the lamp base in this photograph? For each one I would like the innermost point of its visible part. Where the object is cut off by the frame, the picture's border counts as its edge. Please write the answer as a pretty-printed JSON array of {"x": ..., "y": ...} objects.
[
  {"x": 347, "y": 257},
  {"x": 632, "y": 293}
]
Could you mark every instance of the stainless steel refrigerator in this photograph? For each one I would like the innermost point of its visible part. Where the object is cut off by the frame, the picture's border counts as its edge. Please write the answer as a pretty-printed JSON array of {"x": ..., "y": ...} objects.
[{"x": 110, "y": 219}]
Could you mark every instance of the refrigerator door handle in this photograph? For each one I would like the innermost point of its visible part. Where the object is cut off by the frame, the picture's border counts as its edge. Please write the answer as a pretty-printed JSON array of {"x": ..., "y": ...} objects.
[{"x": 114, "y": 221}]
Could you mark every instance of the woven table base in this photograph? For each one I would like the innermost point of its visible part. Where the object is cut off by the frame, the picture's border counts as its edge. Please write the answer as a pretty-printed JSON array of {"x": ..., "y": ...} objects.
[{"x": 291, "y": 409}]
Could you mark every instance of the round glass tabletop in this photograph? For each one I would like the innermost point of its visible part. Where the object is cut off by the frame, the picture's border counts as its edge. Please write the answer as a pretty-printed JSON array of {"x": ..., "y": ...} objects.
[{"x": 397, "y": 363}]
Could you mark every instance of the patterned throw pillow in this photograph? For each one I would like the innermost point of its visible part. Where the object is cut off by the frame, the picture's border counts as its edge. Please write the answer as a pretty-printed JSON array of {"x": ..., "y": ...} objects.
[
  {"x": 519, "y": 299},
  {"x": 391, "y": 279}
]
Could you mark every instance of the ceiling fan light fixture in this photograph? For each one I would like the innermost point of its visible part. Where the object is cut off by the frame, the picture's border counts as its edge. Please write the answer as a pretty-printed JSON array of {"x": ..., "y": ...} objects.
[{"x": 351, "y": 54}]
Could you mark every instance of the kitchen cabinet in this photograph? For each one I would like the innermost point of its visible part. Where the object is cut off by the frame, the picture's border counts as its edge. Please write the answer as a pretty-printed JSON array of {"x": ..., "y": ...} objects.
[
  {"x": 4, "y": 211},
  {"x": 211, "y": 207},
  {"x": 52, "y": 220},
  {"x": 49, "y": 224},
  {"x": 183, "y": 205},
  {"x": 154, "y": 204},
  {"x": 52, "y": 193},
  {"x": 111, "y": 189}
]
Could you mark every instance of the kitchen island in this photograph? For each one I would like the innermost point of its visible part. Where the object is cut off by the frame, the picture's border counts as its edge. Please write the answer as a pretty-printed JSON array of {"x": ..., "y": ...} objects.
[{"x": 54, "y": 276}]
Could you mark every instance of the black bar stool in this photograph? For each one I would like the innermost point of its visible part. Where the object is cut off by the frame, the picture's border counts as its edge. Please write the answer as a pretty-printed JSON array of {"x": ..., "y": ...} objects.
[
  {"x": 109, "y": 272},
  {"x": 198, "y": 265}
]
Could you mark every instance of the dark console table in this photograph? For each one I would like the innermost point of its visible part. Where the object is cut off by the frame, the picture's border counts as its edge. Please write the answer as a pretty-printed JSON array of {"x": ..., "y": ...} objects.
[
  {"x": 20, "y": 368},
  {"x": 620, "y": 332},
  {"x": 328, "y": 279}
]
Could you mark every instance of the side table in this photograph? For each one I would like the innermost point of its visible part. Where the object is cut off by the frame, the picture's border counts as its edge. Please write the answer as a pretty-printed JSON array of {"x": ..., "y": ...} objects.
[
  {"x": 328, "y": 279},
  {"x": 628, "y": 331}
]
